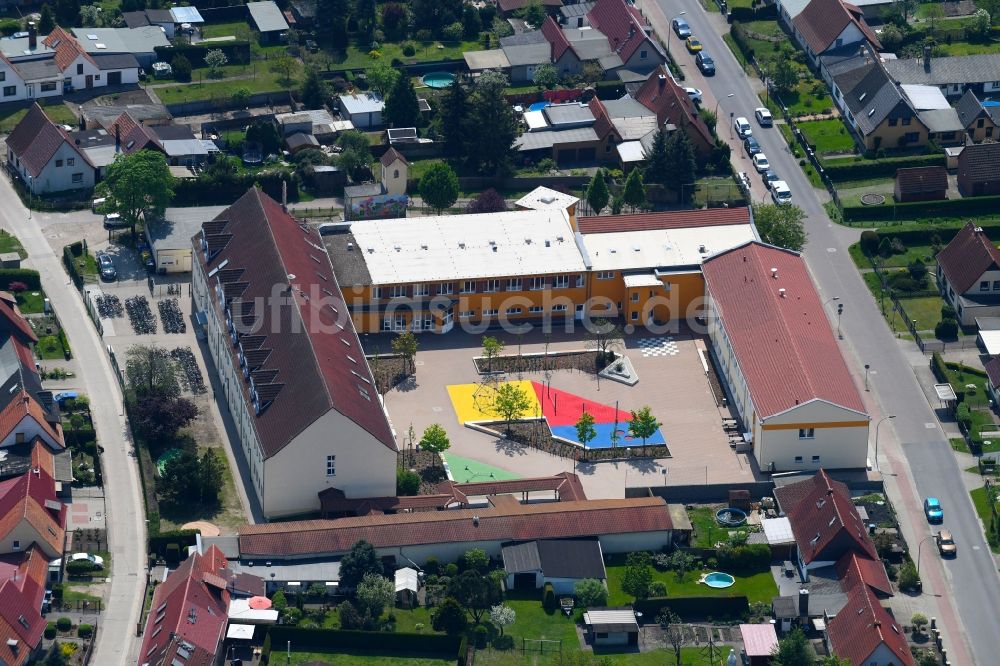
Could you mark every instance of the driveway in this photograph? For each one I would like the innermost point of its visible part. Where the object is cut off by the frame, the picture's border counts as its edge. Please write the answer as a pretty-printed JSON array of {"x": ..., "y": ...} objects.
[{"x": 915, "y": 455}]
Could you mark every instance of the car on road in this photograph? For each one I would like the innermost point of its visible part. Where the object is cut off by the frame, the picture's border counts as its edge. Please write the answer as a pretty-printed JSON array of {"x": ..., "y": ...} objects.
[
  {"x": 764, "y": 118},
  {"x": 692, "y": 44},
  {"x": 760, "y": 162},
  {"x": 933, "y": 510},
  {"x": 769, "y": 177},
  {"x": 107, "y": 267},
  {"x": 946, "y": 544},
  {"x": 750, "y": 146},
  {"x": 681, "y": 28},
  {"x": 705, "y": 63},
  {"x": 742, "y": 127},
  {"x": 780, "y": 193},
  {"x": 694, "y": 94}
]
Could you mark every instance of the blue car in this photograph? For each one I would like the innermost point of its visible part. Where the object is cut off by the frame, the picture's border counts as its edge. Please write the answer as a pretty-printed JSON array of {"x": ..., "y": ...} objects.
[{"x": 933, "y": 510}]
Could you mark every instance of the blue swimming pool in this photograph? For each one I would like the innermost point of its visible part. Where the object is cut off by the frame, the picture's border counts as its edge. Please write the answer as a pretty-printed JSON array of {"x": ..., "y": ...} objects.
[
  {"x": 538, "y": 106},
  {"x": 718, "y": 580},
  {"x": 438, "y": 79}
]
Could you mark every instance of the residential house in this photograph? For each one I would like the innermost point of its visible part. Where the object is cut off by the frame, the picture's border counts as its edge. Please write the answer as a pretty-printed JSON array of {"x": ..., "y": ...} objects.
[
  {"x": 177, "y": 142},
  {"x": 831, "y": 24},
  {"x": 564, "y": 132},
  {"x": 511, "y": 7},
  {"x": 268, "y": 21},
  {"x": 530, "y": 565},
  {"x": 662, "y": 95},
  {"x": 138, "y": 42},
  {"x": 921, "y": 184},
  {"x": 22, "y": 587},
  {"x": 798, "y": 404},
  {"x": 395, "y": 171},
  {"x": 83, "y": 70},
  {"x": 362, "y": 109},
  {"x": 866, "y": 634},
  {"x": 979, "y": 170},
  {"x": 968, "y": 273},
  {"x": 292, "y": 370},
  {"x": 161, "y": 18},
  {"x": 954, "y": 75},
  {"x": 979, "y": 119},
  {"x": 32, "y": 514},
  {"x": 628, "y": 34},
  {"x": 575, "y": 15},
  {"x": 44, "y": 156}
]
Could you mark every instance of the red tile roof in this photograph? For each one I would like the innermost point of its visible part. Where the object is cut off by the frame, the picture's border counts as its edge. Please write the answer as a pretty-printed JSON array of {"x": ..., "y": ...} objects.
[
  {"x": 993, "y": 371},
  {"x": 27, "y": 406},
  {"x": 567, "y": 485},
  {"x": 31, "y": 499},
  {"x": 390, "y": 156},
  {"x": 602, "y": 120},
  {"x": 861, "y": 626},
  {"x": 13, "y": 322},
  {"x": 919, "y": 180},
  {"x": 822, "y": 21},
  {"x": 66, "y": 47},
  {"x": 663, "y": 96},
  {"x": 310, "y": 337},
  {"x": 21, "y": 622},
  {"x": 187, "y": 610},
  {"x": 856, "y": 569},
  {"x": 670, "y": 219},
  {"x": 557, "y": 39},
  {"x": 36, "y": 139},
  {"x": 622, "y": 24},
  {"x": 133, "y": 136},
  {"x": 969, "y": 254},
  {"x": 782, "y": 341},
  {"x": 501, "y": 521}
]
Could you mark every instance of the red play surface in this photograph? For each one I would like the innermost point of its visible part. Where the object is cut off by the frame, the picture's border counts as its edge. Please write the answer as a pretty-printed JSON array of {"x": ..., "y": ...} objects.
[{"x": 561, "y": 408}]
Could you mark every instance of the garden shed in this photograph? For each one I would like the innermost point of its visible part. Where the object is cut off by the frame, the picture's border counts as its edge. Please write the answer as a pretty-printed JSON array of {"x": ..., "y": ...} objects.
[
  {"x": 561, "y": 562},
  {"x": 608, "y": 626}
]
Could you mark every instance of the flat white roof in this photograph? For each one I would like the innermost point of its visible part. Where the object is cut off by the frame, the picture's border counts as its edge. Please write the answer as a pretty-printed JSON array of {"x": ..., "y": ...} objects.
[
  {"x": 457, "y": 247},
  {"x": 535, "y": 120},
  {"x": 778, "y": 530},
  {"x": 642, "y": 280},
  {"x": 406, "y": 579},
  {"x": 663, "y": 248},
  {"x": 609, "y": 617},
  {"x": 239, "y": 610},
  {"x": 925, "y": 98},
  {"x": 544, "y": 198},
  {"x": 631, "y": 151},
  {"x": 240, "y": 631},
  {"x": 363, "y": 103},
  {"x": 991, "y": 340}
]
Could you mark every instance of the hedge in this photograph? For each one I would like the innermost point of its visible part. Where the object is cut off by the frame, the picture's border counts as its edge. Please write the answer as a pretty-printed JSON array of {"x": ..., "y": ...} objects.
[
  {"x": 211, "y": 191},
  {"x": 922, "y": 209},
  {"x": 747, "y": 14},
  {"x": 923, "y": 234},
  {"x": 25, "y": 275},
  {"x": 332, "y": 639},
  {"x": 158, "y": 542},
  {"x": 695, "y": 608},
  {"x": 939, "y": 368},
  {"x": 70, "y": 264},
  {"x": 839, "y": 170}
]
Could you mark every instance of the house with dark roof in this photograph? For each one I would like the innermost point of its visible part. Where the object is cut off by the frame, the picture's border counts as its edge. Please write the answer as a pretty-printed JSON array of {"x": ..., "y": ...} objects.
[
  {"x": 296, "y": 379},
  {"x": 979, "y": 170},
  {"x": 268, "y": 20},
  {"x": 45, "y": 157},
  {"x": 796, "y": 399},
  {"x": 161, "y": 18},
  {"x": 968, "y": 272},
  {"x": 830, "y": 24},
  {"x": 530, "y": 565},
  {"x": 921, "y": 184},
  {"x": 980, "y": 121},
  {"x": 866, "y": 634},
  {"x": 954, "y": 75}
]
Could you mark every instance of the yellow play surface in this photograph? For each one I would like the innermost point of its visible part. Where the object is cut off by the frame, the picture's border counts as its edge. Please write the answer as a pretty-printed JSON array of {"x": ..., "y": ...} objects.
[{"x": 474, "y": 402}]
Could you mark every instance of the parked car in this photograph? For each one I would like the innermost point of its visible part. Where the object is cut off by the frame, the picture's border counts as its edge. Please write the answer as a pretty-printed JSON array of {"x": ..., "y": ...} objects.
[
  {"x": 946, "y": 544},
  {"x": 742, "y": 127},
  {"x": 760, "y": 162},
  {"x": 681, "y": 28},
  {"x": 114, "y": 221},
  {"x": 933, "y": 510},
  {"x": 769, "y": 177},
  {"x": 751, "y": 146},
  {"x": 780, "y": 193},
  {"x": 705, "y": 63},
  {"x": 694, "y": 94},
  {"x": 692, "y": 44},
  {"x": 97, "y": 204},
  {"x": 107, "y": 267},
  {"x": 764, "y": 118}
]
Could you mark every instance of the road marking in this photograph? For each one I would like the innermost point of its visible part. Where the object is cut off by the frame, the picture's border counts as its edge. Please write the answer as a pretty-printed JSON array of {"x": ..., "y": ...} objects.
[
  {"x": 975, "y": 548},
  {"x": 831, "y": 249},
  {"x": 930, "y": 426},
  {"x": 435, "y": 409},
  {"x": 418, "y": 363}
]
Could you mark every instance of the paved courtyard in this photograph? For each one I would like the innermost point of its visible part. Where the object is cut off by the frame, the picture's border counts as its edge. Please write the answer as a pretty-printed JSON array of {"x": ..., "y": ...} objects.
[{"x": 672, "y": 382}]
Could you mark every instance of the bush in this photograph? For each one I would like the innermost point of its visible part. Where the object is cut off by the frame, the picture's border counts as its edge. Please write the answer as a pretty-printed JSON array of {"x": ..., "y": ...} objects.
[
  {"x": 64, "y": 624},
  {"x": 750, "y": 557},
  {"x": 591, "y": 593},
  {"x": 919, "y": 621},
  {"x": 81, "y": 568},
  {"x": 432, "y": 566},
  {"x": 453, "y": 32},
  {"x": 24, "y": 275},
  {"x": 657, "y": 589},
  {"x": 869, "y": 242},
  {"x": 451, "y": 569},
  {"x": 57, "y": 591},
  {"x": 901, "y": 281},
  {"x": 924, "y": 209},
  {"x": 963, "y": 415},
  {"x": 50, "y": 631},
  {"x": 909, "y": 579},
  {"x": 948, "y": 312},
  {"x": 862, "y": 169},
  {"x": 407, "y": 482},
  {"x": 181, "y": 67},
  {"x": 409, "y": 49},
  {"x": 480, "y": 634},
  {"x": 173, "y": 553},
  {"x": 938, "y": 367},
  {"x": 946, "y": 329},
  {"x": 549, "y": 601},
  {"x": 85, "y": 631}
]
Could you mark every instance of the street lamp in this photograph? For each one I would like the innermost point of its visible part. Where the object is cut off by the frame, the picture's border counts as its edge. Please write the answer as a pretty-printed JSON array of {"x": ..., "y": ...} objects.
[
  {"x": 877, "y": 426},
  {"x": 919, "y": 546},
  {"x": 671, "y": 31},
  {"x": 840, "y": 311},
  {"x": 867, "y": 368},
  {"x": 716, "y": 114}
]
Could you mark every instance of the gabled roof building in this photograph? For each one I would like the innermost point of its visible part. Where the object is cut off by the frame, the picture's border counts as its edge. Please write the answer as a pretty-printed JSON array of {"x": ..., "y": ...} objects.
[
  {"x": 830, "y": 24},
  {"x": 45, "y": 157},
  {"x": 968, "y": 271},
  {"x": 979, "y": 170},
  {"x": 865, "y": 633}
]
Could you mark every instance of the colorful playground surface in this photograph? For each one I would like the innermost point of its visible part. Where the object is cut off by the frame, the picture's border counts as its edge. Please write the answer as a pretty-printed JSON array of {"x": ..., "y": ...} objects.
[
  {"x": 467, "y": 470},
  {"x": 561, "y": 410}
]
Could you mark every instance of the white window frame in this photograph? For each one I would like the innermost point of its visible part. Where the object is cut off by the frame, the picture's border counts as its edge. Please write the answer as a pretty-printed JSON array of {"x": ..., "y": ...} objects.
[
  {"x": 537, "y": 283},
  {"x": 331, "y": 465},
  {"x": 446, "y": 287},
  {"x": 514, "y": 284},
  {"x": 397, "y": 291},
  {"x": 421, "y": 289},
  {"x": 807, "y": 433},
  {"x": 492, "y": 286},
  {"x": 606, "y": 275},
  {"x": 515, "y": 311},
  {"x": 560, "y": 282},
  {"x": 466, "y": 284}
]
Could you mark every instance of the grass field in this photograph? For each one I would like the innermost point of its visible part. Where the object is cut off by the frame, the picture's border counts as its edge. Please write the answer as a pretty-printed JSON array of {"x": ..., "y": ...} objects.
[
  {"x": 706, "y": 529},
  {"x": 829, "y": 136},
  {"x": 758, "y": 586},
  {"x": 355, "y": 58},
  {"x": 261, "y": 80},
  {"x": 363, "y": 658},
  {"x": 9, "y": 243},
  {"x": 690, "y": 656},
  {"x": 57, "y": 111},
  {"x": 913, "y": 253},
  {"x": 31, "y": 301},
  {"x": 982, "y": 503},
  {"x": 238, "y": 29}
]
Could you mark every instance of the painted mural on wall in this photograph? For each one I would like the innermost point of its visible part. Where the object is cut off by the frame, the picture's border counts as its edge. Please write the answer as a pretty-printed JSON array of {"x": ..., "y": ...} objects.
[{"x": 379, "y": 206}]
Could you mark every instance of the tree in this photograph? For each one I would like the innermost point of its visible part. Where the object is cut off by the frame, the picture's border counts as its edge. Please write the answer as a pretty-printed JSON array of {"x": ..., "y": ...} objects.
[
  {"x": 405, "y": 344},
  {"x": 331, "y": 22},
  {"x": 511, "y": 403},
  {"x": 278, "y": 601},
  {"x": 869, "y": 242},
  {"x": 364, "y": 14},
  {"x": 449, "y": 617},
  {"x": 476, "y": 593},
  {"x": 683, "y": 163},
  {"x": 439, "y": 187},
  {"x": 585, "y": 430},
  {"x": 546, "y": 76},
  {"x": 181, "y": 68},
  {"x": 634, "y": 193},
  {"x": 266, "y": 134},
  {"x": 477, "y": 560},
  {"x": 534, "y": 14},
  {"x": 487, "y": 201},
  {"x": 157, "y": 418},
  {"x": 215, "y": 59},
  {"x": 492, "y": 347},
  {"x": 658, "y": 162},
  {"x": 591, "y": 592},
  {"x": 597, "y": 193},
  {"x": 382, "y": 77},
  {"x": 604, "y": 334},
  {"x": 67, "y": 12},
  {"x": 46, "y": 22},
  {"x": 785, "y": 77},
  {"x": 673, "y": 631},
  {"x": 638, "y": 574},
  {"x": 150, "y": 370},
  {"x": 283, "y": 65},
  {"x": 918, "y": 271},
  {"x": 909, "y": 579},
  {"x": 981, "y": 23},
  {"x": 211, "y": 470},
  {"x": 453, "y": 119},
  {"x": 137, "y": 183},
  {"x": 435, "y": 440},
  {"x": 472, "y": 23},
  {"x": 186, "y": 480},
  {"x": 934, "y": 12},
  {"x": 90, "y": 16},
  {"x": 355, "y": 154},
  {"x": 502, "y": 616},
  {"x": 407, "y": 482},
  {"x": 919, "y": 621},
  {"x": 781, "y": 225},
  {"x": 359, "y": 561},
  {"x": 793, "y": 650},
  {"x": 402, "y": 109},
  {"x": 374, "y": 593},
  {"x": 394, "y": 21},
  {"x": 241, "y": 97},
  {"x": 496, "y": 126},
  {"x": 643, "y": 424}
]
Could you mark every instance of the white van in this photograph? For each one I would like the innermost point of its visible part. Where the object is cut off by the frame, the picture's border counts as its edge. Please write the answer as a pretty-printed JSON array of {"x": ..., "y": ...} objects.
[
  {"x": 113, "y": 221},
  {"x": 780, "y": 193},
  {"x": 97, "y": 204},
  {"x": 742, "y": 127}
]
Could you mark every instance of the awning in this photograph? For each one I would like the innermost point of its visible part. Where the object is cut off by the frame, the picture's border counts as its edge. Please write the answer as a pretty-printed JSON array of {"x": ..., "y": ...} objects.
[
  {"x": 642, "y": 280},
  {"x": 243, "y": 632},
  {"x": 630, "y": 151}
]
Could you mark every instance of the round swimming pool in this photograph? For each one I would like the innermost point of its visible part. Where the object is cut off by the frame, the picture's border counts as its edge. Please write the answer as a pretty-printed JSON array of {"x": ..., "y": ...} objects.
[
  {"x": 730, "y": 517},
  {"x": 538, "y": 106},
  {"x": 438, "y": 79},
  {"x": 718, "y": 580}
]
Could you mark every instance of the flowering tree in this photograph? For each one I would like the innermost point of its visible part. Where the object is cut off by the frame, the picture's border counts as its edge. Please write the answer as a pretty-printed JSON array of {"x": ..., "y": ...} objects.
[{"x": 503, "y": 616}]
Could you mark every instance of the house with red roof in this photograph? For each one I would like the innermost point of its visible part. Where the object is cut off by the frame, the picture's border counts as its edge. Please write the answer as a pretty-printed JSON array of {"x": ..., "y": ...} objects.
[
  {"x": 294, "y": 373},
  {"x": 629, "y": 36},
  {"x": 968, "y": 275},
  {"x": 866, "y": 634},
  {"x": 22, "y": 588},
  {"x": 829, "y": 24},
  {"x": 786, "y": 376},
  {"x": 45, "y": 157}
]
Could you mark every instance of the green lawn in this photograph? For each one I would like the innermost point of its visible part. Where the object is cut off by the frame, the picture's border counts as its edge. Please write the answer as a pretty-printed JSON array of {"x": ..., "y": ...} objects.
[
  {"x": 355, "y": 58},
  {"x": 261, "y": 80},
  {"x": 49, "y": 348},
  {"x": 828, "y": 136},
  {"x": 709, "y": 190},
  {"x": 982, "y": 504},
  {"x": 924, "y": 253},
  {"x": 238, "y": 29},
  {"x": 31, "y": 302},
  {"x": 10, "y": 243},
  {"x": 962, "y": 376},
  {"x": 706, "y": 529},
  {"x": 958, "y": 444},
  {"x": 758, "y": 586},
  {"x": 71, "y": 596},
  {"x": 690, "y": 656},
  {"x": 420, "y": 167},
  {"x": 362, "y": 657},
  {"x": 534, "y": 622},
  {"x": 925, "y": 309},
  {"x": 57, "y": 111}
]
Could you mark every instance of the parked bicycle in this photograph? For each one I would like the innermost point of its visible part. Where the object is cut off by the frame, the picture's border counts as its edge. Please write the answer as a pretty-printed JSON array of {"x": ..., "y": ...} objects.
[
  {"x": 109, "y": 306},
  {"x": 171, "y": 316},
  {"x": 184, "y": 357},
  {"x": 139, "y": 315}
]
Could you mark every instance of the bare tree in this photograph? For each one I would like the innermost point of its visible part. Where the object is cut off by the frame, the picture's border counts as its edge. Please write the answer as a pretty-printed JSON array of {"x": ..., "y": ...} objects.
[{"x": 673, "y": 631}]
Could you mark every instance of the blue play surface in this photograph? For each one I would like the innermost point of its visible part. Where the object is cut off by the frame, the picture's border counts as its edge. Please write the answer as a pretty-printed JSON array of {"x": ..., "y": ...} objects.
[{"x": 603, "y": 439}]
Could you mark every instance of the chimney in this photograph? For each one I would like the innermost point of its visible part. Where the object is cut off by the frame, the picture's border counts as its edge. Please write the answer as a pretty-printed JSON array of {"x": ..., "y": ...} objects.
[
  {"x": 927, "y": 58},
  {"x": 663, "y": 80},
  {"x": 781, "y": 292},
  {"x": 118, "y": 138},
  {"x": 774, "y": 273},
  {"x": 804, "y": 603},
  {"x": 32, "y": 36}
]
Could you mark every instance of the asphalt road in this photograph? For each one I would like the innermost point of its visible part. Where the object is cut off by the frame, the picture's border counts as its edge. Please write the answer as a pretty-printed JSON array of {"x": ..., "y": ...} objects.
[
  {"x": 913, "y": 444},
  {"x": 115, "y": 645}
]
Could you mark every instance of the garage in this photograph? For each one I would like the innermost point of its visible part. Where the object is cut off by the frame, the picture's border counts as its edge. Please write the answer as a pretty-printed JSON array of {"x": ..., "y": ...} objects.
[
  {"x": 170, "y": 237},
  {"x": 114, "y": 78}
]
